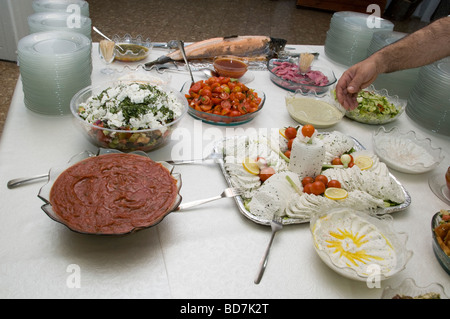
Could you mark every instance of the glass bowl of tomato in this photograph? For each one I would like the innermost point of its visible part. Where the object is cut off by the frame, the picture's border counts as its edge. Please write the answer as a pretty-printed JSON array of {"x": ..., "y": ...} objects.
[{"x": 223, "y": 101}]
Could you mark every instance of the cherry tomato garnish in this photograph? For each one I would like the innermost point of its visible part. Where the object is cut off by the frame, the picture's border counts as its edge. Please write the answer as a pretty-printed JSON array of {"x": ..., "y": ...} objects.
[
  {"x": 290, "y": 132},
  {"x": 317, "y": 188},
  {"x": 307, "y": 180},
  {"x": 322, "y": 178},
  {"x": 308, "y": 130},
  {"x": 334, "y": 183}
]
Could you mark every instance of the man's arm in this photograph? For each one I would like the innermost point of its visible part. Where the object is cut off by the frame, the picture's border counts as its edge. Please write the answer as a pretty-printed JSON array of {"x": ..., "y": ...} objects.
[{"x": 422, "y": 47}]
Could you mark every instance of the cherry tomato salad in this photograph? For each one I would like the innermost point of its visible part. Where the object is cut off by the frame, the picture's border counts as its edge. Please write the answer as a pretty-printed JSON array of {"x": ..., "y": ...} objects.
[{"x": 223, "y": 96}]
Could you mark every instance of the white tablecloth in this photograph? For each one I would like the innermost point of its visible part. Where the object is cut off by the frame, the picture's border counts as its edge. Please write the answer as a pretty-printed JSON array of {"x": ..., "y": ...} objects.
[{"x": 208, "y": 252}]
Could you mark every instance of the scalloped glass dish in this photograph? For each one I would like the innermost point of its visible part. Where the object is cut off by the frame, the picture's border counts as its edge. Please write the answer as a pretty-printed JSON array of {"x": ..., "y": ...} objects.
[
  {"x": 292, "y": 86},
  {"x": 375, "y": 117},
  {"x": 408, "y": 289},
  {"x": 145, "y": 140},
  {"x": 310, "y": 108},
  {"x": 359, "y": 245},
  {"x": 442, "y": 257},
  {"x": 44, "y": 193},
  {"x": 224, "y": 120},
  {"x": 136, "y": 49},
  {"x": 405, "y": 152}
]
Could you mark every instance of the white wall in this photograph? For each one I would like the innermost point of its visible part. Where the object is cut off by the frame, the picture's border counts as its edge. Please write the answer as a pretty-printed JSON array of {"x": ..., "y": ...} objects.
[{"x": 13, "y": 26}]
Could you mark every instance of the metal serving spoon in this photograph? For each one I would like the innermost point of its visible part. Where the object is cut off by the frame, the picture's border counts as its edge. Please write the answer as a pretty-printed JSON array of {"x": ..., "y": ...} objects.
[
  {"x": 99, "y": 32},
  {"x": 22, "y": 180}
]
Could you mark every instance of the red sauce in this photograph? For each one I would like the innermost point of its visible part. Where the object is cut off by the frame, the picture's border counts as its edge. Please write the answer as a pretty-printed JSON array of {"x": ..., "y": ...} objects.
[
  {"x": 230, "y": 67},
  {"x": 113, "y": 194}
]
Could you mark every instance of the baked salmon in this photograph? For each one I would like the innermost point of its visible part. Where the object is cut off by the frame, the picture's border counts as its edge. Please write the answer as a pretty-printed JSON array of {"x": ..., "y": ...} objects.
[{"x": 235, "y": 45}]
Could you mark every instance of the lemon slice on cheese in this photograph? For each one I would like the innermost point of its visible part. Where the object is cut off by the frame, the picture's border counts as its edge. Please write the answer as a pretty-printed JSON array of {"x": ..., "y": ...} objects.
[
  {"x": 335, "y": 193},
  {"x": 251, "y": 166},
  {"x": 363, "y": 162}
]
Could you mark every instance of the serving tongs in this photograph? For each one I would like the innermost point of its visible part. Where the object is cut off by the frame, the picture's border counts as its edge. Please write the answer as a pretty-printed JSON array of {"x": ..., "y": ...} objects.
[{"x": 181, "y": 47}]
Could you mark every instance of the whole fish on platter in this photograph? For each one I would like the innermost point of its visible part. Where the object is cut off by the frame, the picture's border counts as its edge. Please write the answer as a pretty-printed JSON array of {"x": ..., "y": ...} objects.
[{"x": 244, "y": 46}]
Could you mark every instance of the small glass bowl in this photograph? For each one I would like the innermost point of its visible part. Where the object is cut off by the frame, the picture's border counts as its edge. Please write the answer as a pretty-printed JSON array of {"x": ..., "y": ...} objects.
[
  {"x": 222, "y": 119},
  {"x": 44, "y": 192},
  {"x": 362, "y": 116},
  {"x": 408, "y": 289},
  {"x": 322, "y": 111},
  {"x": 441, "y": 256},
  {"x": 360, "y": 224},
  {"x": 230, "y": 66},
  {"x": 124, "y": 140},
  {"x": 134, "y": 49},
  {"x": 405, "y": 152},
  {"x": 294, "y": 86}
]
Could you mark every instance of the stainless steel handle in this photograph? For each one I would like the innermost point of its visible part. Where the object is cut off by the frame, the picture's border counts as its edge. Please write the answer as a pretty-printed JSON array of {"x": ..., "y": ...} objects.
[{"x": 22, "y": 180}]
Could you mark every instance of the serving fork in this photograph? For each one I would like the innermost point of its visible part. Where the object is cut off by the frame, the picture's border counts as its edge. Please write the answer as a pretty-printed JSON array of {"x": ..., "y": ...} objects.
[
  {"x": 276, "y": 225},
  {"x": 211, "y": 156},
  {"x": 228, "y": 192}
]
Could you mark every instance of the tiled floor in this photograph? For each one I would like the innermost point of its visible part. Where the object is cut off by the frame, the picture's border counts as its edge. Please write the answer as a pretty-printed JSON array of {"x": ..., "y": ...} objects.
[{"x": 194, "y": 20}]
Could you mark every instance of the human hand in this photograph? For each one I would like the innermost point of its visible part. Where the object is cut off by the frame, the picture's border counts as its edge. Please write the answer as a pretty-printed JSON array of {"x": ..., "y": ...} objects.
[{"x": 356, "y": 78}]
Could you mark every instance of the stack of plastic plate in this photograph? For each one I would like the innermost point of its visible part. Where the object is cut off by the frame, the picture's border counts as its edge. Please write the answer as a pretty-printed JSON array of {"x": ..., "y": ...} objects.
[
  {"x": 53, "y": 65},
  {"x": 70, "y": 6},
  {"x": 59, "y": 21},
  {"x": 350, "y": 35},
  {"x": 429, "y": 101},
  {"x": 397, "y": 83}
]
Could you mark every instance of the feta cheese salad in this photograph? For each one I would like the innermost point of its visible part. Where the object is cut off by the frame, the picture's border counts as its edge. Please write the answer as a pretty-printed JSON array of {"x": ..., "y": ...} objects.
[
  {"x": 133, "y": 116},
  {"x": 274, "y": 182}
]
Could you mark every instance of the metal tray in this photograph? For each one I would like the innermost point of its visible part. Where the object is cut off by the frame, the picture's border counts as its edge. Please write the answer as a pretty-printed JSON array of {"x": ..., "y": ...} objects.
[{"x": 288, "y": 220}]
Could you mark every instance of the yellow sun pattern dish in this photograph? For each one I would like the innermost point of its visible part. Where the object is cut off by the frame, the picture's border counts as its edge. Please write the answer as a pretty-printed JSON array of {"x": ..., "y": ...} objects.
[{"x": 348, "y": 240}]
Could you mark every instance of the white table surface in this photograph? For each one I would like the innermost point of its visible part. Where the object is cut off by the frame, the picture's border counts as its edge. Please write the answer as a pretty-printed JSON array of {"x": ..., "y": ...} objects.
[{"x": 211, "y": 251}]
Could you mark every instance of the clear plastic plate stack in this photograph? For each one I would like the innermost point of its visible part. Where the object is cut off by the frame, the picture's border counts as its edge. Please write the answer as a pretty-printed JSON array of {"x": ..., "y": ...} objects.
[
  {"x": 59, "y": 21},
  {"x": 350, "y": 34},
  {"x": 74, "y": 6},
  {"x": 53, "y": 65},
  {"x": 429, "y": 101},
  {"x": 397, "y": 83}
]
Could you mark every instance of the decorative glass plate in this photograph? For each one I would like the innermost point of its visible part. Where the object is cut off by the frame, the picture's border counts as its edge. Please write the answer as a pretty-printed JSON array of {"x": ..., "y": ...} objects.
[
  {"x": 288, "y": 220},
  {"x": 405, "y": 152}
]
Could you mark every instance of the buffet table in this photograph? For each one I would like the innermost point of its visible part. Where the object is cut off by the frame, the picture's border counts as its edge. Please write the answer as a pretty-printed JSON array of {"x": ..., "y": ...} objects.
[{"x": 211, "y": 251}]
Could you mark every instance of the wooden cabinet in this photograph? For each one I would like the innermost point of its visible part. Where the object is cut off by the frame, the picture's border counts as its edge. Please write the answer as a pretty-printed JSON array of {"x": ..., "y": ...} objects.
[{"x": 342, "y": 5}]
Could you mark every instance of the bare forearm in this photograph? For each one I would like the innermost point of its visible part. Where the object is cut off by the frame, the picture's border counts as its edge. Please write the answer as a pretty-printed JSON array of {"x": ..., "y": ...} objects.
[{"x": 425, "y": 46}]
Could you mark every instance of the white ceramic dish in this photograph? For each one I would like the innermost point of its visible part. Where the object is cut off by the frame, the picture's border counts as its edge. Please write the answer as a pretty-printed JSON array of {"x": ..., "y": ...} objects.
[
  {"x": 405, "y": 152},
  {"x": 359, "y": 245}
]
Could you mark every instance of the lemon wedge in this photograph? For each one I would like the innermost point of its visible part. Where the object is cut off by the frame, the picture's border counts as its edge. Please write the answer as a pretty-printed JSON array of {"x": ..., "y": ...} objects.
[
  {"x": 251, "y": 166},
  {"x": 335, "y": 193},
  {"x": 282, "y": 132},
  {"x": 363, "y": 162}
]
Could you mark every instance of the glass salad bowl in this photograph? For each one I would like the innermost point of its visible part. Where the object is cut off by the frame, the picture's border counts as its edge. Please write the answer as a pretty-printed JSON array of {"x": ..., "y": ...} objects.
[
  {"x": 293, "y": 84},
  {"x": 223, "y": 120},
  {"x": 441, "y": 255},
  {"x": 377, "y": 107},
  {"x": 408, "y": 289},
  {"x": 129, "y": 49},
  {"x": 85, "y": 227},
  {"x": 359, "y": 244},
  {"x": 96, "y": 126}
]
